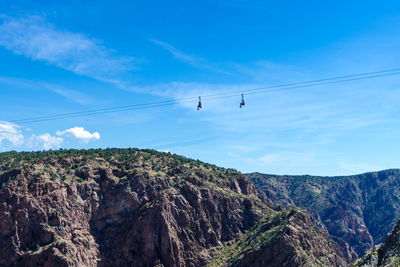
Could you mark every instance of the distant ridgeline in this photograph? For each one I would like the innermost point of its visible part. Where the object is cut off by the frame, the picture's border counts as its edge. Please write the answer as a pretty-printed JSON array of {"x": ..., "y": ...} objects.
[
  {"x": 131, "y": 207},
  {"x": 359, "y": 209}
]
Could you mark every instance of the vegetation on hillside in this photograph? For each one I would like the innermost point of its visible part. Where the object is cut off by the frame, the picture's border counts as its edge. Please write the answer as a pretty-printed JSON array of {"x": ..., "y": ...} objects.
[{"x": 69, "y": 166}]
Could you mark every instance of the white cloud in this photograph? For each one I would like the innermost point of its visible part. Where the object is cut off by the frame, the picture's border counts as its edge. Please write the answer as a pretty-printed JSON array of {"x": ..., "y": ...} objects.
[
  {"x": 11, "y": 133},
  {"x": 44, "y": 141},
  {"x": 79, "y": 133},
  {"x": 37, "y": 39}
]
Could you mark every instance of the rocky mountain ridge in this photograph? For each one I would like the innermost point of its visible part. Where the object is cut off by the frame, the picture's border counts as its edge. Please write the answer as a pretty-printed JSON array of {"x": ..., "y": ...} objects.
[
  {"x": 359, "y": 209},
  {"x": 129, "y": 207}
]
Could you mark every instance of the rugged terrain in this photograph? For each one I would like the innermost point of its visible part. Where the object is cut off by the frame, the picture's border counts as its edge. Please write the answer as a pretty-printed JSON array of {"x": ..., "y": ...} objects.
[
  {"x": 129, "y": 207},
  {"x": 385, "y": 254},
  {"x": 289, "y": 238},
  {"x": 360, "y": 209}
]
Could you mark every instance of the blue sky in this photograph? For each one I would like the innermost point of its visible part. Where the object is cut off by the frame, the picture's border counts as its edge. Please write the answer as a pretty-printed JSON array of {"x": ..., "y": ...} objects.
[{"x": 68, "y": 56}]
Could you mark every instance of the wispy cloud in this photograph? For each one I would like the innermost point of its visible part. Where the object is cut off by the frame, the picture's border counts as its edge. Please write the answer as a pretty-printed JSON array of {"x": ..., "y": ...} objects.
[
  {"x": 72, "y": 95},
  {"x": 288, "y": 158},
  {"x": 263, "y": 71},
  {"x": 35, "y": 38},
  {"x": 192, "y": 60}
]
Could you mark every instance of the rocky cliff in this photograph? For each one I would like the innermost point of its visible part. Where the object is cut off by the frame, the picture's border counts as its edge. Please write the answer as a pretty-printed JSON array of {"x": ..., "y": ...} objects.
[
  {"x": 288, "y": 238},
  {"x": 385, "y": 254},
  {"x": 359, "y": 209},
  {"x": 128, "y": 207}
]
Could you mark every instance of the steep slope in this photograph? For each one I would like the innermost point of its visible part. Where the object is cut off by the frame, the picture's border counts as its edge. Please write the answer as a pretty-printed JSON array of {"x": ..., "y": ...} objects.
[
  {"x": 129, "y": 207},
  {"x": 289, "y": 238},
  {"x": 385, "y": 254},
  {"x": 359, "y": 209}
]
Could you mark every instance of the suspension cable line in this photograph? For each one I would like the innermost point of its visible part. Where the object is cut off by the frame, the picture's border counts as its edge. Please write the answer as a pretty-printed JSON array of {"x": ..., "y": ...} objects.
[{"x": 259, "y": 90}]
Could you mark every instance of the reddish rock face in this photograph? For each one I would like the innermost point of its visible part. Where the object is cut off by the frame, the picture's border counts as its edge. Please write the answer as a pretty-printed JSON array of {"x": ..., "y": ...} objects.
[{"x": 114, "y": 217}]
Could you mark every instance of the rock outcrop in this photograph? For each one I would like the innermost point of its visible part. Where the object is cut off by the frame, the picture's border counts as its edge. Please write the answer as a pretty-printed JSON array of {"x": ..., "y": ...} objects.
[
  {"x": 289, "y": 238},
  {"x": 385, "y": 254}
]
